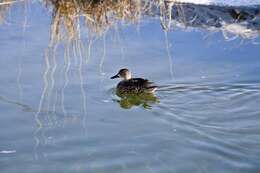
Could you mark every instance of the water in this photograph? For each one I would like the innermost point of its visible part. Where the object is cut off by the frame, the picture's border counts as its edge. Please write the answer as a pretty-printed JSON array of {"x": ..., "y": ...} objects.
[{"x": 60, "y": 113}]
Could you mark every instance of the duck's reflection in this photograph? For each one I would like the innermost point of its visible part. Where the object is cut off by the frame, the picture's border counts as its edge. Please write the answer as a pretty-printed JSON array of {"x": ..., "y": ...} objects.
[{"x": 145, "y": 100}]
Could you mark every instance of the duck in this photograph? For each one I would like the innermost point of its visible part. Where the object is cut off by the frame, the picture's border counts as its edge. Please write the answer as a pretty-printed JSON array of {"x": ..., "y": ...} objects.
[{"x": 129, "y": 85}]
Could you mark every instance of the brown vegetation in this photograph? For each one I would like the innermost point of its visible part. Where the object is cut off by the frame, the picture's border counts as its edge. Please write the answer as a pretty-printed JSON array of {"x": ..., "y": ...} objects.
[
  {"x": 4, "y": 6},
  {"x": 98, "y": 15}
]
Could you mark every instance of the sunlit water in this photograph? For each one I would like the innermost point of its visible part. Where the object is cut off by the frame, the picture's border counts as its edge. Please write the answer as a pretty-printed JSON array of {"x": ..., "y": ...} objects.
[{"x": 59, "y": 111}]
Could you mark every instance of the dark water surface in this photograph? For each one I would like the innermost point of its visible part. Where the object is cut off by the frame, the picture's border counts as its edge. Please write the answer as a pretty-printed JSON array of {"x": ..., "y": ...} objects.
[{"x": 59, "y": 111}]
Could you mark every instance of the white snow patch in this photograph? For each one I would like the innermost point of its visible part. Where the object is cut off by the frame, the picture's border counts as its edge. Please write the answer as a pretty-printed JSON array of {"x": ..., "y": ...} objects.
[
  {"x": 7, "y": 152},
  {"x": 222, "y": 2},
  {"x": 239, "y": 30}
]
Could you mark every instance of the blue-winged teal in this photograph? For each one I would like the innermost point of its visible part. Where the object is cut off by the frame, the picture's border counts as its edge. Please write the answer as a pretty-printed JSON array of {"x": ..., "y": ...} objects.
[{"x": 133, "y": 85}]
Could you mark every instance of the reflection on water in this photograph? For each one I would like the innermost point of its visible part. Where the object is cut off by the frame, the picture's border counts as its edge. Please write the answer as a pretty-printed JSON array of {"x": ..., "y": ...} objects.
[
  {"x": 145, "y": 100},
  {"x": 67, "y": 119},
  {"x": 53, "y": 105},
  {"x": 24, "y": 107}
]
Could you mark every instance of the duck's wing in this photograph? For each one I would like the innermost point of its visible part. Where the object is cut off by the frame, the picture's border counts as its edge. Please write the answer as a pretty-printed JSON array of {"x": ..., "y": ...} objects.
[
  {"x": 143, "y": 83},
  {"x": 140, "y": 81},
  {"x": 136, "y": 85}
]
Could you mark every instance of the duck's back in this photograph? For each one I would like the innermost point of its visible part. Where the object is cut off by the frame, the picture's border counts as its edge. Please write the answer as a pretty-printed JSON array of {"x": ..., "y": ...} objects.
[{"x": 136, "y": 85}]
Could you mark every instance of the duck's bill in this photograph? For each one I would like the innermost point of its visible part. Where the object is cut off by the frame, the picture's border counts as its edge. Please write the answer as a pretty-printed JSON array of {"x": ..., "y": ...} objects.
[{"x": 116, "y": 76}]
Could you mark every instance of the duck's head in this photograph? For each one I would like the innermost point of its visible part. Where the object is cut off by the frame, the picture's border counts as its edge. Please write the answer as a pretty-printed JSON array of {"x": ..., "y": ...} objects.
[{"x": 123, "y": 73}]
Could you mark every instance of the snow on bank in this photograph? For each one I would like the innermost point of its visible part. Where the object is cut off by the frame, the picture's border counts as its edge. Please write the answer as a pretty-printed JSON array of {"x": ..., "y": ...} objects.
[
  {"x": 233, "y": 22},
  {"x": 223, "y": 2}
]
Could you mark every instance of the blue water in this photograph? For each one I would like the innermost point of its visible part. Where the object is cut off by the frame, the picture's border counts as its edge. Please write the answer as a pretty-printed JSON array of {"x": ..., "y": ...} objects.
[{"x": 60, "y": 113}]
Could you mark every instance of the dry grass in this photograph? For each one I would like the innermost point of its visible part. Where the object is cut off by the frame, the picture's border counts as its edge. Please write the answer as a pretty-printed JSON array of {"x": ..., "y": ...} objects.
[
  {"x": 98, "y": 15},
  {"x": 4, "y": 6}
]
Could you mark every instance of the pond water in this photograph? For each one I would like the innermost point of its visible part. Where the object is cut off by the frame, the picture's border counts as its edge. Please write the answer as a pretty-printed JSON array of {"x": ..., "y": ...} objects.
[{"x": 59, "y": 111}]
